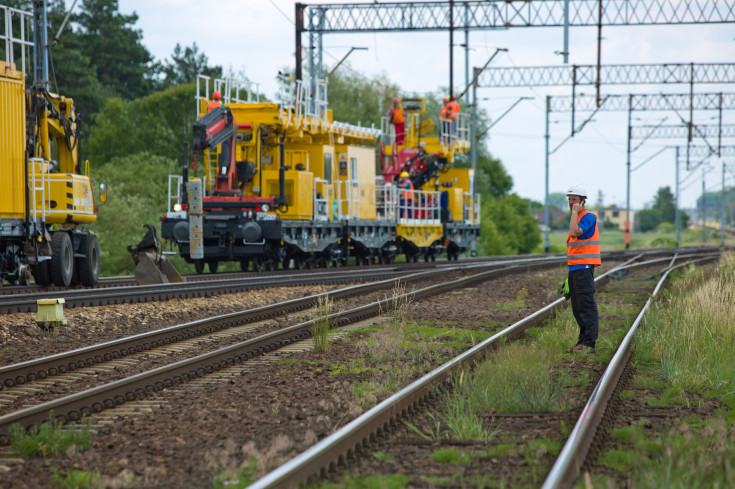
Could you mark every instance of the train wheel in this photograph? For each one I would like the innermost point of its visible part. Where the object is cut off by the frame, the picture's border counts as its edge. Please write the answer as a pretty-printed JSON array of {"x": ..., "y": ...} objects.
[
  {"x": 298, "y": 264},
  {"x": 244, "y": 264},
  {"x": 199, "y": 266},
  {"x": 62, "y": 259},
  {"x": 42, "y": 273},
  {"x": 256, "y": 264},
  {"x": 24, "y": 275},
  {"x": 89, "y": 267},
  {"x": 286, "y": 263},
  {"x": 213, "y": 265}
]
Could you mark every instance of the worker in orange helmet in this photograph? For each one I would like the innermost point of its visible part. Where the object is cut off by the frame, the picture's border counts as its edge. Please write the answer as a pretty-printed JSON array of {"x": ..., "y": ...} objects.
[
  {"x": 405, "y": 186},
  {"x": 444, "y": 120},
  {"x": 216, "y": 101},
  {"x": 449, "y": 115},
  {"x": 396, "y": 117}
]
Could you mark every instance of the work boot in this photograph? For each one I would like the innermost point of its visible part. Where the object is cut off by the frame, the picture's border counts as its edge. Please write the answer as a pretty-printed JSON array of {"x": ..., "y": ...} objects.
[{"x": 580, "y": 348}]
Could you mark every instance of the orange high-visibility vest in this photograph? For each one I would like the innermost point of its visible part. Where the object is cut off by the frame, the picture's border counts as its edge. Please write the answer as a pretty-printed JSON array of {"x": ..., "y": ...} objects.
[
  {"x": 584, "y": 251},
  {"x": 452, "y": 110},
  {"x": 408, "y": 189},
  {"x": 214, "y": 104},
  {"x": 396, "y": 115}
]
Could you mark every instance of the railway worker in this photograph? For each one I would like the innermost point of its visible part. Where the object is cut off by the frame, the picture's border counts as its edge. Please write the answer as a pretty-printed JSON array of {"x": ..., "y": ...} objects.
[
  {"x": 405, "y": 186},
  {"x": 396, "y": 117},
  {"x": 446, "y": 125},
  {"x": 583, "y": 254},
  {"x": 216, "y": 101},
  {"x": 450, "y": 114}
]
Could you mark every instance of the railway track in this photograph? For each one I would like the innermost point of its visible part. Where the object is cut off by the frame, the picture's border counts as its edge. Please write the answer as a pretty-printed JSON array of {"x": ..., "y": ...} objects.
[
  {"x": 145, "y": 394},
  {"x": 186, "y": 290},
  {"x": 17, "y": 380},
  {"x": 356, "y": 439},
  {"x": 123, "y": 289}
]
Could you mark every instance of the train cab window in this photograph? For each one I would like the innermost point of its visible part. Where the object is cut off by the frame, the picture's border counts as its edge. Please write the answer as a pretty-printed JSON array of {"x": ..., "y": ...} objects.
[{"x": 328, "y": 167}]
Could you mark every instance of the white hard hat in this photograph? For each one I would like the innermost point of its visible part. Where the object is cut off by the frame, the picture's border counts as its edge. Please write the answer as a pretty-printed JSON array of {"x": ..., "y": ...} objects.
[{"x": 577, "y": 189}]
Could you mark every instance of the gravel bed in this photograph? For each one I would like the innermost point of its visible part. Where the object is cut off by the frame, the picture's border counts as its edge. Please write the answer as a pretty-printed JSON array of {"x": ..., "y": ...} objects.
[{"x": 272, "y": 410}]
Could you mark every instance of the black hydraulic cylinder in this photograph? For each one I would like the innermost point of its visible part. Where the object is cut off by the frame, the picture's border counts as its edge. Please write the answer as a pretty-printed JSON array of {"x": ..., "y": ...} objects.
[
  {"x": 281, "y": 173},
  {"x": 204, "y": 141}
]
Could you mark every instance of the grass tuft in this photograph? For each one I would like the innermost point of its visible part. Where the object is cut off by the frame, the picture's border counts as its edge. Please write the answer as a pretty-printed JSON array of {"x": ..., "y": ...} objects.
[
  {"x": 75, "y": 479},
  {"x": 48, "y": 438},
  {"x": 320, "y": 326}
]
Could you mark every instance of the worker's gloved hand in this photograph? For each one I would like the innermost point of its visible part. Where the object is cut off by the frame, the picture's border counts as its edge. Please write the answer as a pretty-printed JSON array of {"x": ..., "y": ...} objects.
[{"x": 564, "y": 288}]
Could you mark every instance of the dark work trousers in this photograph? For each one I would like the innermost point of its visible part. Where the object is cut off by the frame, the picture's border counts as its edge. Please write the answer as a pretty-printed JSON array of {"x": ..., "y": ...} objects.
[{"x": 584, "y": 307}]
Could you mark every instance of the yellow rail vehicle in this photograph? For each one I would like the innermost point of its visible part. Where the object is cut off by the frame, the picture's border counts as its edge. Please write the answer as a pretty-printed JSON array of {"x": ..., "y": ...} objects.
[
  {"x": 45, "y": 194},
  {"x": 283, "y": 183}
]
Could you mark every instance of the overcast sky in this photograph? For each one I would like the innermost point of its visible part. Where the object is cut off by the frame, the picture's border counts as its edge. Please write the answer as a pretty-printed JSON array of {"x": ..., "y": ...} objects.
[{"x": 257, "y": 37}]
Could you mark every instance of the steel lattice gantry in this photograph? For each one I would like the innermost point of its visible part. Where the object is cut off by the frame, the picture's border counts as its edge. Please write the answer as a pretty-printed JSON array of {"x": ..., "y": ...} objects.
[
  {"x": 699, "y": 151},
  {"x": 617, "y": 74},
  {"x": 493, "y": 14},
  {"x": 681, "y": 131},
  {"x": 318, "y": 19},
  {"x": 644, "y": 101}
]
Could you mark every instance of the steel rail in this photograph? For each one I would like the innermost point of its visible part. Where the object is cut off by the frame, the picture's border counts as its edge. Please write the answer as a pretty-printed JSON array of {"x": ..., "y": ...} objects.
[
  {"x": 21, "y": 373},
  {"x": 183, "y": 290},
  {"x": 75, "y": 406},
  {"x": 29, "y": 371},
  {"x": 40, "y": 368},
  {"x": 122, "y": 281},
  {"x": 574, "y": 453},
  {"x": 326, "y": 454}
]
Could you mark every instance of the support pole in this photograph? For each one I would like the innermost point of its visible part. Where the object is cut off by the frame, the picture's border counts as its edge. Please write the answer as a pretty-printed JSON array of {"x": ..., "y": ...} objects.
[
  {"x": 565, "y": 53},
  {"x": 546, "y": 188},
  {"x": 676, "y": 199},
  {"x": 451, "y": 48},
  {"x": 626, "y": 236},
  {"x": 473, "y": 148},
  {"x": 704, "y": 209},
  {"x": 299, "y": 18},
  {"x": 722, "y": 208},
  {"x": 599, "y": 50}
]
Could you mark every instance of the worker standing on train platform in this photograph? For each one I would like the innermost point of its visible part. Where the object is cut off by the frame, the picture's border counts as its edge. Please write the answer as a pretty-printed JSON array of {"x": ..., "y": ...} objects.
[
  {"x": 449, "y": 116},
  {"x": 396, "y": 117},
  {"x": 583, "y": 254},
  {"x": 216, "y": 101},
  {"x": 446, "y": 124},
  {"x": 405, "y": 187}
]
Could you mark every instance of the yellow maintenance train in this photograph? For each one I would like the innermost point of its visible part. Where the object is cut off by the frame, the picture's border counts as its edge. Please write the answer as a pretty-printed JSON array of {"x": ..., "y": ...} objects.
[
  {"x": 284, "y": 184},
  {"x": 46, "y": 198}
]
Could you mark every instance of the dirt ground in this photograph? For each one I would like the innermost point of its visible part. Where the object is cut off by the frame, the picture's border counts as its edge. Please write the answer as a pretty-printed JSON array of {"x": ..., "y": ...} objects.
[{"x": 271, "y": 410}]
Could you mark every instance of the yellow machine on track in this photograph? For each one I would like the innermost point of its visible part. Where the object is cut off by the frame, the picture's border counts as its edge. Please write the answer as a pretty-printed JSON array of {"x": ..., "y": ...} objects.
[
  {"x": 46, "y": 198},
  {"x": 284, "y": 184}
]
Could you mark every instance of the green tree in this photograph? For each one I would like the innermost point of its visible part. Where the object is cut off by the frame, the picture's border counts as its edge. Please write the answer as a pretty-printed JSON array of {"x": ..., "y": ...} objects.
[
  {"x": 662, "y": 210},
  {"x": 648, "y": 219},
  {"x": 159, "y": 124},
  {"x": 664, "y": 202},
  {"x": 114, "y": 48},
  {"x": 137, "y": 192},
  {"x": 507, "y": 227},
  {"x": 355, "y": 98},
  {"x": 184, "y": 66}
]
